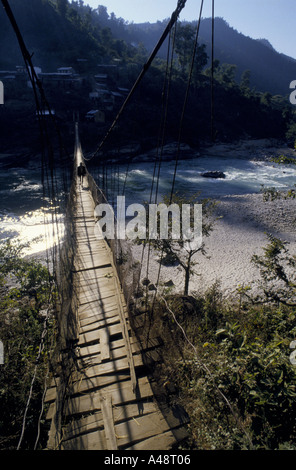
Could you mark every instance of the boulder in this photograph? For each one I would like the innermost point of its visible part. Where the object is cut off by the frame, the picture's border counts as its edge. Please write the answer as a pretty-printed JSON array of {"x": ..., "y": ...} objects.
[{"x": 214, "y": 174}]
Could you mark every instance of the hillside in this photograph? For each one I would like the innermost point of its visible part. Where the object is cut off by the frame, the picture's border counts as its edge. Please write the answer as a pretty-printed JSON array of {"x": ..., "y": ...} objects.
[
  {"x": 61, "y": 34},
  {"x": 270, "y": 70}
]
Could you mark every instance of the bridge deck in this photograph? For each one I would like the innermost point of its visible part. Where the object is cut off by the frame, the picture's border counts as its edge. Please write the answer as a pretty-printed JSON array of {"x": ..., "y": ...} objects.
[{"x": 110, "y": 404}]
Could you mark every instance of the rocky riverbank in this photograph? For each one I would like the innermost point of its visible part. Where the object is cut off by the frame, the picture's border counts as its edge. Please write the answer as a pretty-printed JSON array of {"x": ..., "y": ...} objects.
[
  {"x": 239, "y": 233},
  {"x": 253, "y": 149}
]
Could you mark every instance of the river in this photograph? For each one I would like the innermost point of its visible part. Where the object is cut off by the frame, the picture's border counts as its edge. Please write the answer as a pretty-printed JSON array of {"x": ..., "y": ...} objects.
[{"x": 25, "y": 214}]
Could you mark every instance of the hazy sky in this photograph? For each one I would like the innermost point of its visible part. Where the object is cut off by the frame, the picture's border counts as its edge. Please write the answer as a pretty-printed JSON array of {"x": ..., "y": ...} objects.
[{"x": 274, "y": 20}]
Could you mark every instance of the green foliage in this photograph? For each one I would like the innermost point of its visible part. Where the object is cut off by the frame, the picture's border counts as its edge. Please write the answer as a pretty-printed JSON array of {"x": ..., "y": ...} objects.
[
  {"x": 277, "y": 269},
  {"x": 62, "y": 33},
  {"x": 282, "y": 159},
  {"x": 238, "y": 385},
  {"x": 185, "y": 39},
  {"x": 234, "y": 376},
  {"x": 291, "y": 134},
  {"x": 26, "y": 295}
]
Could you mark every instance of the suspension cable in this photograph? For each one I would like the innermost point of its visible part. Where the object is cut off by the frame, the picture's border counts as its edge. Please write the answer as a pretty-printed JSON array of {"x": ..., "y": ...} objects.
[
  {"x": 180, "y": 133},
  {"x": 174, "y": 17},
  {"x": 212, "y": 71}
]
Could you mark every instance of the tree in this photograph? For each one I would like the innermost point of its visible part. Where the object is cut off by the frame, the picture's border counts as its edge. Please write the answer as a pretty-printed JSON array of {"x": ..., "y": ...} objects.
[
  {"x": 103, "y": 15},
  {"x": 22, "y": 327},
  {"x": 278, "y": 272},
  {"x": 62, "y": 6},
  {"x": 245, "y": 82},
  {"x": 179, "y": 249},
  {"x": 184, "y": 45},
  {"x": 200, "y": 61},
  {"x": 185, "y": 42},
  {"x": 226, "y": 74}
]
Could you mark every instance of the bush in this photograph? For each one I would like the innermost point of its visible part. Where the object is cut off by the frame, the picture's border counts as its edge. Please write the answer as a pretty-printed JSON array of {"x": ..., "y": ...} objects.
[
  {"x": 233, "y": 376},
  {"x": 26, "y": 294}
]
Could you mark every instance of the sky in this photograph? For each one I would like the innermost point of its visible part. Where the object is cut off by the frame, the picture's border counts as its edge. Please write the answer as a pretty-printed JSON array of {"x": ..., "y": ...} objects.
[{"x": 274, "y": 20}]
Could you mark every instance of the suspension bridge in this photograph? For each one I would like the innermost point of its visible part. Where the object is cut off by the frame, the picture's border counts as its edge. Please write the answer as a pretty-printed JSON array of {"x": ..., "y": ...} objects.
[
  {"x": 108, "y": 402},
  {"x": 102, "y": 394}
]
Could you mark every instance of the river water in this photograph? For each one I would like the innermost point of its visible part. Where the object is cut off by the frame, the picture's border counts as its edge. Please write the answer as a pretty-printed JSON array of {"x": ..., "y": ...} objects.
[
  {"x": 242, "y": 177},
  {"x": 25, "y": 214}
]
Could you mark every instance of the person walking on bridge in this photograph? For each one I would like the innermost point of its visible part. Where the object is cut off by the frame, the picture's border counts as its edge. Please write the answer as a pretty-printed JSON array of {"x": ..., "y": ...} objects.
[{"x": 81, "y": 171}]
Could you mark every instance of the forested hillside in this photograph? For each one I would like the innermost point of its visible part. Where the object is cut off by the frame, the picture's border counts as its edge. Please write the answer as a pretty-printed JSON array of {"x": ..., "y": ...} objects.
[
  {"x": 270, "y": 70},
  {"x": 250, "y": 97},
  {"x": 57, "y": 33}
]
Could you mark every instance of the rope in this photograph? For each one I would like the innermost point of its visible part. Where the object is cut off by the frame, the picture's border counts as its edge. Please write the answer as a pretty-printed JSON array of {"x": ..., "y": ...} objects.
[{"x": 212, "y": 71}]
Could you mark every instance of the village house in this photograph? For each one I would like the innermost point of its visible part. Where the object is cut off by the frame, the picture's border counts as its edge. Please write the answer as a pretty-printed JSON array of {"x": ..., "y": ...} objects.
[{"x": 95, "y": 115}]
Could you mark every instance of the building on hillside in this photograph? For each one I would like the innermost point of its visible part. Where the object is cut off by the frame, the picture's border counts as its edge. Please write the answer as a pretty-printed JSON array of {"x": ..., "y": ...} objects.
[
  {"x": 102, "y": 77},
  {"x": 64, "y": 76},
  {"x": 94, "y": 96},
  {"x": 66, "y": 70},
  {"x": 123, "y": 91},
  {"x": 45, "y": 113},
  {"x": 95, "y": 115}
]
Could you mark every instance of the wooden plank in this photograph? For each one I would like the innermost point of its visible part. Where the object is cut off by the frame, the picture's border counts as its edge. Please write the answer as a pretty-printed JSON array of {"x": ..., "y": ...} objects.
[
  {"x": 140, "y": 428},
  {"x": 94, "y": 275},
  {"x": 90, "y": 250},
  {"x": 136, "y": 347},
  {"x": 97, "y": 307},
  {"x": 86, "y": 384},
  {"x": 92, "y": 336},
  {"x": 93, "y": 322},
  {"x": 163, "y": 442},
  {"x": 88, "y": 323},
  {"x": 96, "y": 285},
  {"x": 125, "y": 333},
  {"x": 90, "y": 441},
  {"x": 95, "y": 368},
  {"x": 81, "y": 385},
  {"x": 90, "y": 262},
  {"x": 96, "y": 281},
  {"x": 95, "y": 421},
  {"x": 121, "y": 393},
  {"x": 95, "y": 290},
  {"x": 91, "y": 296},
  {"x": 96, "y": 244},
  {"x": 107, "y": 411},
  {"x": 95, "y": 360},
  {"x": 115, "y": 350},
  {"x": 104, "y": 344},
  {"x": 94, "y": 441},
  {"x": 148, "y": 432}
]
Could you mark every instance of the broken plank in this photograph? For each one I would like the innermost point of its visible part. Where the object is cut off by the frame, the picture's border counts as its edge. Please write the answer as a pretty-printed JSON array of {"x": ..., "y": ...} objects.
[
  {"x": 104, "y": 344},
  {"x": 92, "y": 336},
  {"x": 107, "y": 411}
]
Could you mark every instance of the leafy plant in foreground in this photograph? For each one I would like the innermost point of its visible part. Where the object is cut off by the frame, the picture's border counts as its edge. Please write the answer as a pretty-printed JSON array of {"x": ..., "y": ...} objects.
[{"x": 26, "y": 293}]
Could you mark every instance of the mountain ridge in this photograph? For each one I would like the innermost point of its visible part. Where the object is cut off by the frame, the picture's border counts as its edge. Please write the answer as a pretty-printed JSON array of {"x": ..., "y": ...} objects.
[{"x": 271, "y": 71}]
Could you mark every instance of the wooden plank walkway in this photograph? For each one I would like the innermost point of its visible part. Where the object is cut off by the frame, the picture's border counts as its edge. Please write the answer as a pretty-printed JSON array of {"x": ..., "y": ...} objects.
[{"x": 110, "y": 404}]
